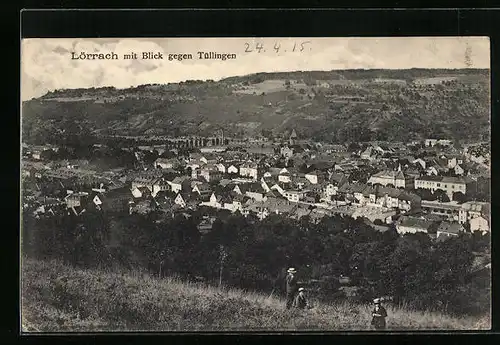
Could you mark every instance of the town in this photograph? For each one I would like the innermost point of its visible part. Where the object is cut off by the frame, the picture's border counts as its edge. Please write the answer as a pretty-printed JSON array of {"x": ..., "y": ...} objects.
[{"x": 435, "y": 186}]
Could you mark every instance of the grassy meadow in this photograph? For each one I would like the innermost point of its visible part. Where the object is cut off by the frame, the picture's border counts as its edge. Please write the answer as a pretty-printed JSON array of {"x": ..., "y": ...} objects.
[{"x": 57, "y": 298}]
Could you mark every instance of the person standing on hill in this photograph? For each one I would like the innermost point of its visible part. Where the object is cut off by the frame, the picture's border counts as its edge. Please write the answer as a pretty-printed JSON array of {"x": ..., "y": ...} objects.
[
  {"x": 291, "y": 287},
  {"x": 301, "y": 301},
  {"x": 378, "y": 315}
]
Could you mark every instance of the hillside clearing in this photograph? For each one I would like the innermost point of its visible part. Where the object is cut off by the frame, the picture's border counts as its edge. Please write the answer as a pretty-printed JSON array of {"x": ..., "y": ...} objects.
[{"x": 56, "y": 298}]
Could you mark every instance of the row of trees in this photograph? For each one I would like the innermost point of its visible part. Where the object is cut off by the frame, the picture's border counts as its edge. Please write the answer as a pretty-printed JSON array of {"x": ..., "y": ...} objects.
[{"x": 251, "y": 254}]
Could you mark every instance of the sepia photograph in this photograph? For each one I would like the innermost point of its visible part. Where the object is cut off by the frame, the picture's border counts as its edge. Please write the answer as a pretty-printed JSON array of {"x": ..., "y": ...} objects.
[{"x": 255, "y": 184}]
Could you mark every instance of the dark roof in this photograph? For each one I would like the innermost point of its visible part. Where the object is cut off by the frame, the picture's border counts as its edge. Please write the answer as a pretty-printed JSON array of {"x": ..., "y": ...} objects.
[
  {"x": 448, "y": 227},
  {"x": 415, "y": 222},
  {"x": 117, "y": 193},
  {"x": 203, "y": 187},
  {"x": 444, "y": 179},
  {"x": 144, "y": 189}
]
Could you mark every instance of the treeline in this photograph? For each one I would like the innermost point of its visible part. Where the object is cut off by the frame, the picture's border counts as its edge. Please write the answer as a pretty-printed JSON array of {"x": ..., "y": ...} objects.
[
  {"x": 357, "y": 74},
  {"x": 251, "y": 254}
]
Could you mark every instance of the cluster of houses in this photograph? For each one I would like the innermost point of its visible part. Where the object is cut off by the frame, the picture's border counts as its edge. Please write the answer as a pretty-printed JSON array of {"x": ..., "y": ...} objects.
[{"x": 320, "y": 182}]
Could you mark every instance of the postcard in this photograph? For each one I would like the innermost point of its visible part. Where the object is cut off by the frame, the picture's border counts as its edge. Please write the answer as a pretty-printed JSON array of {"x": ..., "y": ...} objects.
[{"x": 255, "y": 184}]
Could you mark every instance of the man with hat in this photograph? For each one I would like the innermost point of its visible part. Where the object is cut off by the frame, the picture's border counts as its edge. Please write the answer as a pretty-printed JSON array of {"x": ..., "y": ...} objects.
[
  {"x": 291, "y": 287},
  {"x": 300, "y": 300},
  {"x": 378, "y": 315}
]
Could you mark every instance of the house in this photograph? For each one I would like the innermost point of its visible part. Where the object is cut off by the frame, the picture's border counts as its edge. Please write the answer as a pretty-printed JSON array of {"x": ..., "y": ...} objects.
[
  {"x": 42, "y": 153},
  {"x": 215, "y": 201},
  {"x": 377, "y": 196},
  {"x": 431, "y": 171},
  {"x": 255, "y": 191},
  {"x": 479, "y": 224},
  {"x": 473, "y": 209},
  {"x": 420, "y": 162},
  {"x": 266, "y": 184},
  {"x": 249, "y": 170},
  {"x": 294, "y": 195},
  {"x": 145, "y": 181},
  {"x": 285, "y": 177},
  {"x": 166, "y": 163},
  {"x": 179, "y": 183},
  {"x": 240, "y": 189},
  {"x": 454, "y": 161},
  {"x": 279, "y": 206},
  {"x": 203, "y": 189},
  {"x": 76, "y": 199},
  {"x": 445, "y": 183},
  {"x": 447, "y": 210},
  {"x": 160, "y": 185},
  {"x": 232, "y": 169},
  {"x": 434, "y": 142},
  {"x": 413, "y": 171},
  {"x": 221, "y": 167},
  {"x": 337, "y": 179},
  {"x": 193, "y": 157},
  {"x": 329, "y": 189},
  {"x": 314, "y": 177},
  {"x": 141, "y": 192},
  {"x": 286, "y": 152},
  {"x": 236, "y": 202},
  {"x": 272, "y": 172},
  {"x": 336, "y": 148},
  {"x": 211, "y": 173},
  {"x": 409, "y": 224},
  {"x": 392, "y": 178},
  {"x": 278, "y": 188},
  {"x": 437, "y": 166},
  {"x": 270, "y": 206},
  {"x": 367, "y": 153},
  {"x": 458, "y": 170},
  {"x": 182, "y": 199},
  {"x": 194, "y": 166},
  {"x": 448, "y": 229}
]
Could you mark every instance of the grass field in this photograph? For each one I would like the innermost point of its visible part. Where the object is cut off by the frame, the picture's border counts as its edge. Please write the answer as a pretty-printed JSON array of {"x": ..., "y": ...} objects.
[{"x": 57, "y": 298}]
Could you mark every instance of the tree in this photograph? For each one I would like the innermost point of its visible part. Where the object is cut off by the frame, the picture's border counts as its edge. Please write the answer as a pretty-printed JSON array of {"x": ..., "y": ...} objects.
[
  {"x": 353, "y": 147},
  {"x": 441, "y": 196},
  {"x": 459, "y": 197},
  {"x": 425, "y": 194}
]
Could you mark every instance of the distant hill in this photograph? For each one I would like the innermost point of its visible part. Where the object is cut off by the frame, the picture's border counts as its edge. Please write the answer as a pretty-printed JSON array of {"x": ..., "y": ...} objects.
[
  {"x": 58, "y": 298},
  {"x": 334, "y": 106}
]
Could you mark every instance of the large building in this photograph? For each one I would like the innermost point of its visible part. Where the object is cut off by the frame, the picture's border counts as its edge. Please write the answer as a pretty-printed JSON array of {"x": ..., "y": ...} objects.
[
  {"x": 392, "y": 179},
  {"x": 445, "y": 183}
]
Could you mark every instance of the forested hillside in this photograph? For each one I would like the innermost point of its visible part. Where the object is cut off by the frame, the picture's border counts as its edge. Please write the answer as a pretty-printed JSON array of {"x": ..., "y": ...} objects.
[{"x": 336, "y": 106}]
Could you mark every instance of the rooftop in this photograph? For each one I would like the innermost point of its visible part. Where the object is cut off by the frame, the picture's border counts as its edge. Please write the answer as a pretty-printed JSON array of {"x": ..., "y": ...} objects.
[
  {"x": 453, "y": 228},
  {"x": 415, "y": 222}
]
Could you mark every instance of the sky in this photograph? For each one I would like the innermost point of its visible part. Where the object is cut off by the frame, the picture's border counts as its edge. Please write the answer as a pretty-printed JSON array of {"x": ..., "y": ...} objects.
[{"x": 47, "y": 64}]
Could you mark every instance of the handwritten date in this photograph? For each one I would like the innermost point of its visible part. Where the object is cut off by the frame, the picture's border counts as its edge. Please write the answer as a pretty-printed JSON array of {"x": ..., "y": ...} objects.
[{"x": 260, "y": 47}]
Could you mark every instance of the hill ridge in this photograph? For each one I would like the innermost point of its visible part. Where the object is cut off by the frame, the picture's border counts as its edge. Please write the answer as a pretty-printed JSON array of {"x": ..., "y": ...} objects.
[{"x": 324, "y": 106}]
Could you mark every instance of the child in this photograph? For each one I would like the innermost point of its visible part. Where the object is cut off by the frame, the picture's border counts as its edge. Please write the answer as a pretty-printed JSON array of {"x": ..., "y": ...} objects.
[
  {"x": 379, "y": 314},
  {"x": 300, "y": 300}
]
